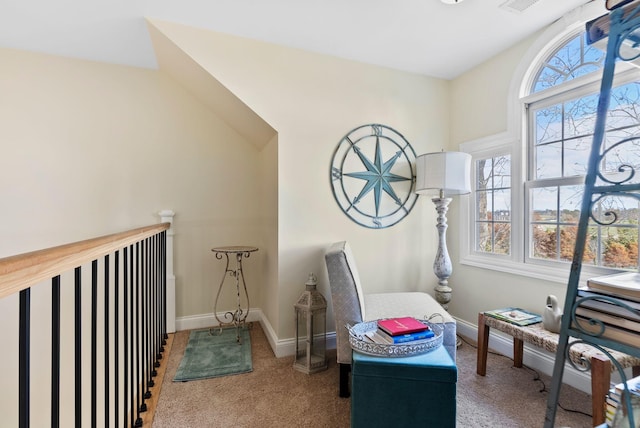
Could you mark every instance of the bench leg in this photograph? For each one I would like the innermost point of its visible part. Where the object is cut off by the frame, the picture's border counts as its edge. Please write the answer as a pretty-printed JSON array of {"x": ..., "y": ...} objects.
[
  {"x": 483, "y": 345},
  {"x": 600, "y": 380},
  {"x": 518, "y": 352}
]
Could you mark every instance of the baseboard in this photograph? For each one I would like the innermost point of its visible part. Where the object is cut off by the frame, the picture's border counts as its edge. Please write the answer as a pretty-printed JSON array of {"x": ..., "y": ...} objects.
[
  {"x": 280, "y": 347},
  {"x": 193, "y": 322}
]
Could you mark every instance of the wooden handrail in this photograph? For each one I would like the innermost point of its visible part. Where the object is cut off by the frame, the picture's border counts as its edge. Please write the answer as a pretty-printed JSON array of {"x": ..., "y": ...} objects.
[{"x": 24, "y": 270}]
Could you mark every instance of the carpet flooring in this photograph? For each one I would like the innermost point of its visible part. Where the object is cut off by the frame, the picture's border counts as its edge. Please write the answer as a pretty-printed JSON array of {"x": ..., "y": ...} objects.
[{"x": 276, "y": 395}]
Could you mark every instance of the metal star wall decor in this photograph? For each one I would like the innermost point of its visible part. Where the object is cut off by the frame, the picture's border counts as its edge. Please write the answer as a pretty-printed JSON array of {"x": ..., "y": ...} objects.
[{"x": 372, "y": 176}]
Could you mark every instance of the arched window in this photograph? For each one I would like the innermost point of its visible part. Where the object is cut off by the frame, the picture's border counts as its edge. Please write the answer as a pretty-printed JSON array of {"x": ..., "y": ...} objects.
[
  {"x": 571, "y": 60},
  {"x": 560, "y": 127}
]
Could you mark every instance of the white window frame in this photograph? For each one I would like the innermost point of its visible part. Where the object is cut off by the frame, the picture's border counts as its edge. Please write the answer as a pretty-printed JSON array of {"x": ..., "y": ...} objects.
[{"x": 514, "y": 143}]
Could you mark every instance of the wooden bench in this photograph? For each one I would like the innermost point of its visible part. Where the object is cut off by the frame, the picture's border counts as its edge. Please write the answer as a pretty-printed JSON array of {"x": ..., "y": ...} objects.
[{"x": 536, "y": 335}]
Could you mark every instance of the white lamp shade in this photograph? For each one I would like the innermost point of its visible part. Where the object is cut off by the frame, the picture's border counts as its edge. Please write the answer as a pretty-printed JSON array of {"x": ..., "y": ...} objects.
[{"x": 446, "y": 171}]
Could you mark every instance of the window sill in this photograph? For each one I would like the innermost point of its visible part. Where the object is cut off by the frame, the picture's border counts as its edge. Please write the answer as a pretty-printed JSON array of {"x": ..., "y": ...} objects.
[{"x": 552, "y": 272}]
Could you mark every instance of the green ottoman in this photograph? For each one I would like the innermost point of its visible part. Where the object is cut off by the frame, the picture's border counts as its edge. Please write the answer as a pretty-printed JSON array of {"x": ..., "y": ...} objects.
[{"x": 416, "y": 391}]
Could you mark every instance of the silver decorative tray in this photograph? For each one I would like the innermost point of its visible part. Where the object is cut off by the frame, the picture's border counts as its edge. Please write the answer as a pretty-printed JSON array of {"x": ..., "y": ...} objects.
[{"x": 361, "y": 343}]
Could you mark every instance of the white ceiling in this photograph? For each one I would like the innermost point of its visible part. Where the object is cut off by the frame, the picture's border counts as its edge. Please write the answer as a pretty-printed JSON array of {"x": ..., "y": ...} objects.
[{"x": 422, "y": 36}]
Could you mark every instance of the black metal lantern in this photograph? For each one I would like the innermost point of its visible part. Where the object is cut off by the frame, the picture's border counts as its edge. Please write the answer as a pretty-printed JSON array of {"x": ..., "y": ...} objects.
[{"x": 311, "y": 330}]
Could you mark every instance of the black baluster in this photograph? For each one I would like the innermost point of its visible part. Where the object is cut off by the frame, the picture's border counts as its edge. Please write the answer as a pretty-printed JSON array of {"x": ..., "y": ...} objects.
[
  {"x": 135, "y": 380},
  {"x": 107, "y": 378},
  {"x": 78, "y": 346},
  {"x": 55, "y": 351},
  {"x": 132, "y": 402},
  {"x": 145, "y": 323},
  {"x": 24, "y": 358},
  {"x": 116, "y": 339},
  {"x": 125, "y": 311},
  {"x": 94, "y": 341}
]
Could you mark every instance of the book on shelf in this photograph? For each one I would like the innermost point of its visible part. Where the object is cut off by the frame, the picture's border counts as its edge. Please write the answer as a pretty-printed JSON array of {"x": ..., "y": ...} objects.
[
  {"x": 401, "y": 325},
  {"x": 610, "y": 332},
  {"x": 616, "y": 320},
  {"x": 611, "y": 404},
  {"x": 607, "y": 306},
  {"x": 516, "y": 316},
  {"x": 615, "y": 398},
  {"x": 379, "y": 336},
  {"x": 626, "y": 285},
  {"x": 621, "y": 417}
]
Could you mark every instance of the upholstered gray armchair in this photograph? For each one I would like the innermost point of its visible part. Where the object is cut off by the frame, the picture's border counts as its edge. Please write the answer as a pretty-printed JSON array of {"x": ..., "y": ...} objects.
[{"x": 351, "y": 306}]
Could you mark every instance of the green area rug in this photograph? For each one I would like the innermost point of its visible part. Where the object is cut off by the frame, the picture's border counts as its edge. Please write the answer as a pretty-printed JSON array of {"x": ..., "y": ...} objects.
[{"x": 215, "y": 354}]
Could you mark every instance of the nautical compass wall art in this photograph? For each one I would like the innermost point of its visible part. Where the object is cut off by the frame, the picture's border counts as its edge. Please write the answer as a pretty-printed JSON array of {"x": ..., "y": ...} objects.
[{"x": 373, "y": 176}]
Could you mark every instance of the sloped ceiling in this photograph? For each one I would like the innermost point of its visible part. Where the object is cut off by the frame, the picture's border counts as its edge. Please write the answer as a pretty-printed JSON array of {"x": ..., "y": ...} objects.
[
  {"x": 188, "y": 73},
  {"x": 421, "y": 36}
]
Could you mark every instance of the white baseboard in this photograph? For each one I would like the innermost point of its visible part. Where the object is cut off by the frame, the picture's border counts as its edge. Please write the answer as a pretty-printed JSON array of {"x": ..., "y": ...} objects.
[{"x": 209, "y": 320}]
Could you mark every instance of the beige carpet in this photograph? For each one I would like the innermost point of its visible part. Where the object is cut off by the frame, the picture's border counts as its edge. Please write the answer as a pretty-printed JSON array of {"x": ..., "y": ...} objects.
[{"x": 276, "y": 395}]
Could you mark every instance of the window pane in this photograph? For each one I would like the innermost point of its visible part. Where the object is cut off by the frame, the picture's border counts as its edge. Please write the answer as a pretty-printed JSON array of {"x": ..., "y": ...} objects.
[
  {"x": 543, "y": 244},
  {"x": 548, "y": 124},
  {"x": 483, "y": 174},
  {"x": 547, "y": 161},
  {"x": 568, "y": 57},
  {"x": 570, "y": 203},
  {"x": 625, "y": 210},
  {"x": 620, "y": 247},
  {"x": 502, "y": 172},
  {"x": 625, "y": 153},
  {"x": 502, "y": 238},
  {"x": 544, "y": 202},
  {"x": 591, "y": 246},
  {"x": 580, "y": 116},
  {"x": 483, "y": 238},
  {"x": 567, "y": 242},
  {"x": 484, "y": 205},
  {"x": 623, "y": 108},
  {"x": 547, "y": 78},
  {"x": 576, "y": 156},
  {"x": 501, "y": 205}
]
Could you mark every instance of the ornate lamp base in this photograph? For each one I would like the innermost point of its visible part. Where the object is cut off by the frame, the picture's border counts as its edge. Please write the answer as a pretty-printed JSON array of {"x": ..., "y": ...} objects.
[{"x": 442, "y": 264}]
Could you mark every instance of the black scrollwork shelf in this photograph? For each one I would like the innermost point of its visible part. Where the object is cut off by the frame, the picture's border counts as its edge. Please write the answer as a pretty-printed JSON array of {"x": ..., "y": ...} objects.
[{"x": 620, "y": 31}]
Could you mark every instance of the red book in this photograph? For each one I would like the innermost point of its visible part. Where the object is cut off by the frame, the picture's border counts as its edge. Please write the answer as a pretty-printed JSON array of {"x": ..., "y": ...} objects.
[{"x": 402, "y": 325}]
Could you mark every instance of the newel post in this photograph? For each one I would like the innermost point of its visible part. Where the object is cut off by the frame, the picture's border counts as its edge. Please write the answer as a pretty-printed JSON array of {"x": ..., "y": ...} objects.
[{"x": 166, "y": 216}]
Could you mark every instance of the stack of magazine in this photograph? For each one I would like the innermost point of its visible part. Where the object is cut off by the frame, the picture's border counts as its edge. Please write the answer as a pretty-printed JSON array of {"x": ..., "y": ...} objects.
[{"x": 515, "y": 316}]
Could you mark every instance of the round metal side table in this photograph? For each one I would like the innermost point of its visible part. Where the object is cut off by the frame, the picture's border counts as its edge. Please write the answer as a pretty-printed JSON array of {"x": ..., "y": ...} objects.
[{"x": 237, "y": 317}]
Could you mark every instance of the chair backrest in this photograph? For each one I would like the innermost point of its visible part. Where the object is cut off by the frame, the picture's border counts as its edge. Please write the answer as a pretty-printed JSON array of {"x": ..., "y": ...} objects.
[{"x": 344, "y": 281}]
